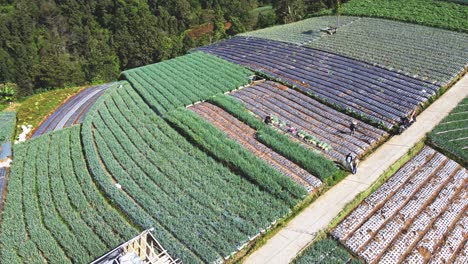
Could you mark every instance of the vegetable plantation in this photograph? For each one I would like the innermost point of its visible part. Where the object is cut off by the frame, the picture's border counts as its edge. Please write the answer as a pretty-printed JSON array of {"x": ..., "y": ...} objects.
[
  {"x": 53, "y": 211},
  {"x": 435, "y": 13},
  {"x": 301, "y": 32},
  {"x": 452, "y": 133},
  {"x": 417, "y": 216},
  {"x": 7, "y": 126},
  {"x": 293, "y": 150},
  {"x": 246, "y": 136},
  {"x": 201, "y": 210},
  {"x": 307, "y": 115},
  {"x": 368, "y": 92},
  {"x": 431, "y": 54},
  {"x": 326, "y": 251},
  {"x": 185, "y": 80}
]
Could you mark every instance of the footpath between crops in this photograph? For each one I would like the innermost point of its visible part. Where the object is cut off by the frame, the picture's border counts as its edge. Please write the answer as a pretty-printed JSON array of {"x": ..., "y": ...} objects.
[{"x": 284, "y": 246}]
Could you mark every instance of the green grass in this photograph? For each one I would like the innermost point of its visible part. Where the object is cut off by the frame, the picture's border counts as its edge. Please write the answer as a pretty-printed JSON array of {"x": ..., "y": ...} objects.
[
  {"x": 34, "y": 109},
  {"x": 263, "y": 9},
  {"x": 433, "y": 13}
]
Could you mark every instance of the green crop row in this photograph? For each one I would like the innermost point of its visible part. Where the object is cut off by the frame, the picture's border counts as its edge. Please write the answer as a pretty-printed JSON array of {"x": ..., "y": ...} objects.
[
  {"x": 185, "y": 80},
  {"x": 326, "y": 251},
  {"x": 7, "y": 126},
  {"x": 233, "y": 155},
  {"x": 306, "y": 158},
  {"x": 434, "y": 13},
  {"x": 53, "y": 203},
  {"x": 451, "y": 134},
  {"x": 201, "y": 210}
]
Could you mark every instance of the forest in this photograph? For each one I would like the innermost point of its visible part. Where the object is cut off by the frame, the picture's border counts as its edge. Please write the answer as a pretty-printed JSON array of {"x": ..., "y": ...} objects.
[{"x": 47, "y": 44}]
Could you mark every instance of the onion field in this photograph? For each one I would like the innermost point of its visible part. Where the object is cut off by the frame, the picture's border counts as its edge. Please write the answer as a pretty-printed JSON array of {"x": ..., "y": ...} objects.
[
  {"x": 305, "y": 114},
  {"x": 326, "y": 251},
  {"x": 185, "y": 80},
  {"x": 7, "y": 129},
  {"x": 200, "y": 209},
  {"x": 452, "y": 133},
  {"x": 53, "y": 211},
  {"x": 301, "y": 32},
  {"x": 370, "y": 92},
  {"x": 418, "y": 216},
  {"x": 430, "y": 54}
]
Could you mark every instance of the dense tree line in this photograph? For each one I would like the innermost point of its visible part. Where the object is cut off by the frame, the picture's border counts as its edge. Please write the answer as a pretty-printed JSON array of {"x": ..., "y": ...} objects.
[{"x": 56, "y": 43}]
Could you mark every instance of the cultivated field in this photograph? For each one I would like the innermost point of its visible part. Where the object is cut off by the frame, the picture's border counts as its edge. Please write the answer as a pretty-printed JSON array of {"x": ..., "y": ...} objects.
[
  {"x": 452, "y": 133},
  {"x": 201, "y": 210},
  {"x": 53, "y": 211},
  {"x": 431, "y": 54},
  {"x": 302, "y": 112},
  {"x": 301, "y": 32},
  {"x": 374, "y": 93},
  {"x": 7, "y": 128},
  {"x": 73, "y": 111},
  {"x": 326, "y": 251},
  {"x": 418, "y": 215},
  {"x": 185, "y": 80},
  {"x": 245, "y": 135}
]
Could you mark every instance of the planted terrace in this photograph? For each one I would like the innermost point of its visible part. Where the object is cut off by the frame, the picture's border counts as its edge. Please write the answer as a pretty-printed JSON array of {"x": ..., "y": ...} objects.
[
  {"x": 201, "y": 210},
  {"x": 245, "y": 136},
  {"x": 427, "y": 53},
  {"x": 305, "y": 114},
  {"x": 452, "y": 133},
  {"x": 185, "y": 80},
  {"x": 371, "y": 92},
  {"x": 418, "y": 216}
]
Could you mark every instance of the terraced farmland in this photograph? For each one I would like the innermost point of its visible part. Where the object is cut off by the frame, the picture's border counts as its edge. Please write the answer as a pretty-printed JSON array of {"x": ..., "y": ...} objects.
[
  {"x": 452, "y": 133},
  {"x": 430, "y": 54},
  {"x": 418, "y": 215},
  {"x": 201, "y": 210},
  {"x": 53, "y": 211},
  {"x": 301, "y": 32},
  {"x": 73, "y": 111},
  {"x": 185, "y": 80},
  {"x": 245, "y": 135},
  {"x": 306, "y": 114},
  {"x": 371, "y": 92}
]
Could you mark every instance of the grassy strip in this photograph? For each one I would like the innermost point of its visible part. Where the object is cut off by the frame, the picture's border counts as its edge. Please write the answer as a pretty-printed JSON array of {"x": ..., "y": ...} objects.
[
  {"x": 234, "y": 156},
  {"x": 280, "y": 143},
  {"x": 7, "y": 126},
  {"x": 34, "y": 109}
]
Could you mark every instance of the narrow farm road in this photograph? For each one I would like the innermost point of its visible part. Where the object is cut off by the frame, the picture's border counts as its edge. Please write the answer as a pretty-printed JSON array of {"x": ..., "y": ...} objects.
[{"x": 288, "y": 242}]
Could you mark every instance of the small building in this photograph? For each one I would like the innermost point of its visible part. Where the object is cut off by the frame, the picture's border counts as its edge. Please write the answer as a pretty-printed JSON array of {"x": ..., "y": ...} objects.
[{"x": 142, "y": 249}]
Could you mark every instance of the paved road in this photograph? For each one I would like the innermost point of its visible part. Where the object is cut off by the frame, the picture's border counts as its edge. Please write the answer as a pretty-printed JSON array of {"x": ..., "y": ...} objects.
[{"x": 287, "y": 243}]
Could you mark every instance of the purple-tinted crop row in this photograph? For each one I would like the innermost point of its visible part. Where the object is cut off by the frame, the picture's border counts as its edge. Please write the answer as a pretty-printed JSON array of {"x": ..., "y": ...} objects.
[
  {"x": 304, "y": 113},
  {"x": 378, "y": 94},
  {"x": 72, "y": 111}
]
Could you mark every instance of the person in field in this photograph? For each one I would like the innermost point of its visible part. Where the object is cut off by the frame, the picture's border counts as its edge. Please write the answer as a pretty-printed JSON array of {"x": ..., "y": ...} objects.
[
  {"x": 267, "y": 120},
  {"x": 349, "y": 161},
  {"x": 352, "y": 127},
  {"x": 355, "y": 165},
  {"x": 292, "y": 130}
]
